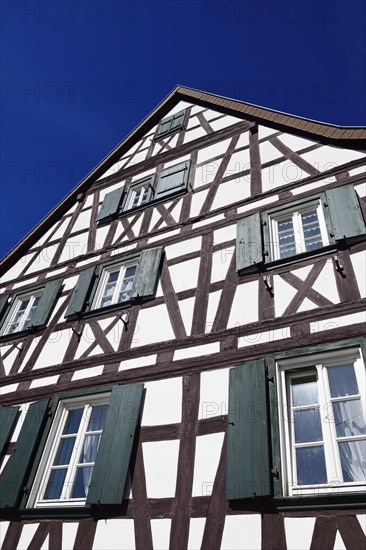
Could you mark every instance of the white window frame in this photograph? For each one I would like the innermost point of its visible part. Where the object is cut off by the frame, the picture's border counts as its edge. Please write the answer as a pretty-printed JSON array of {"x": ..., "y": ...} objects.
[
  {"x": 107, "y": 270},
  {"x": 319, "y": 363},
  {"x": 32, "y": 296},
  {"x": 138, "y": 189},
  {"x": 36, "y": 499},
  {"x": 296, "y": 214}
]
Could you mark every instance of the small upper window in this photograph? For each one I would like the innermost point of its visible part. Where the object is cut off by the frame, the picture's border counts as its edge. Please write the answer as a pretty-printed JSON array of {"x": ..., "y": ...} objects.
[
  {"x": 64, "y": 477},
  {"x": 322, "y": 404},
  {"x": 297, "y": 231},
  {"x": 116, "y": 285},
  {"x": 139, "y": 194},
  {"x": 20, "y": 315},
  {"x": 171, "y": 124}
]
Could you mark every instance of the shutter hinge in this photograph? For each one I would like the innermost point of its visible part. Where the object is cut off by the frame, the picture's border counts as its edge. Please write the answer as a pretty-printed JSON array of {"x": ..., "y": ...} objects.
[
  {"x": 270, "y": 378},
  {"x": 275, "y": 473},
  {"x": 263, "y": 223},
  {"x": 25, "y": 489}
]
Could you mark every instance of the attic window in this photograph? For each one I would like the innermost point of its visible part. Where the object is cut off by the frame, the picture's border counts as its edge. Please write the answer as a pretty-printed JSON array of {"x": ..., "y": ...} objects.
[{"x": 171, "y": 124}]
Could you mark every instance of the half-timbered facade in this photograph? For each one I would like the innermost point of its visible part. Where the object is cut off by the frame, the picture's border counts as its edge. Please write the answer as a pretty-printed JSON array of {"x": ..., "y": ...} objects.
[{"x": 183, "y": 342}]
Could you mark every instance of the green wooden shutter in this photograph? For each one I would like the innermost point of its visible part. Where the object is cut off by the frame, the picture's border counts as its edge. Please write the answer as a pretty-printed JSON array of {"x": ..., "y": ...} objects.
[
  {"x": 46, "y": 303},
  {"x": 249, "y": 243},
  {"x": 4, "y": 304},
  {"x": 80, "y": 292},
  {"x": 110, "y": 204},
  {"x": 8, "y": 419},
  {"x": 17, "y": 468},
  {"x": 164, "y": 126},
  {"x": 248, "y": 470},
  {"x": 345, "y": 212},
  {"x": 177, "y": 121},
  {"x": 147, "y": 273},
  {"x": 113, "y": 458},
  {"x": 172, "y": 180}
]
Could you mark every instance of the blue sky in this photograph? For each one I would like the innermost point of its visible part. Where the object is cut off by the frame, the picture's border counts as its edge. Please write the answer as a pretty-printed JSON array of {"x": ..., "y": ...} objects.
[{"x": 78, "y": 75}]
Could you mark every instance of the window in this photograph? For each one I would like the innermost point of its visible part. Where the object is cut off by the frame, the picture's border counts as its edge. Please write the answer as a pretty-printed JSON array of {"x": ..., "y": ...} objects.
[
  {"x": 297, "y": 231},
  {"x": 116, "y": 283},
  {"x": 20, "y": 316},
  {"x": 70, "y": 453},
  {"x": 323, "y": 424},
  {"x": 297, "y": 426},
  {"x": 171, "y": 124},
  {"x": 23, "y": 311},
  {"x": 73, "y": 454},
  {"x": 302, "y": 228},
  {"x": 171, "y": 182}
]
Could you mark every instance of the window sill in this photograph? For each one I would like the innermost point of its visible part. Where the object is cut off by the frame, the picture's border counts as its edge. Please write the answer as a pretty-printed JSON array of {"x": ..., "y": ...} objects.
[{"x": 340, "y": 500}]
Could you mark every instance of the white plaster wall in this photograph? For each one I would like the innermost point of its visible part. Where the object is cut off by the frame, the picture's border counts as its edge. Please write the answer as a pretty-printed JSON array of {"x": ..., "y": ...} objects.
[
  {"x": 359, "y": 266},
  {"x": 362, "y": 519},
  {"x": 208, "y": 451},
  {"x": 185, "y": 274},
  {"x": 258, "y": 204},
  {"x": 294, "y": 142},
  {"x": 196, "y": 530},
  {"x": 280, "y": 174},
  {"x": 54, "y": 350},
  {"x": 306, "y": 305},
  {"x": 243, "y": 533},
  {"x": 3, "y": 528},
  {"x": 100, "y": 236},
  {"x": 54, "y": 272},
  {"x": 161, "y": 462},
  {"x": 335, "y": 322},
  {"x": 87, "y": 373},
  {"x": 263, "y": 337},
  {"x": 17, "y": 268},
  {"x": 69, "y": 531},
  {"x": 215, "y": 150},
  {"x": 115, "y": 534},
  {"x": 283, "y": 294},
  {"x": 2, "y": 467},
  {"x": 183, "y": 247},
  {"x": 245, "y": 305},
  {"x": 153, "y": 325},
  {"x": 161, "y": 238},
  {"x": 302, "y": 272},
  {"x": 8, "y": 389},
  {"x": 43, "y": 259},
  {"x": 220, "y": 263},
  {"x": 197, "y": 201},
  {"x": 338, "y": 543},
  {"x": 82, "y": 221},
  {"x": 224, "y": 122},
  {"x": 22, "y": 283},
  {"x": 176, "y": 161},
  {"x": 202, "y": 223},
  {"x": 190, "y": 135},
  {"x": 243, "y": 140},
  {"x": 214, "y": 393},
  {"x": 70, "y": 282},
  {"x": 28, "y": 532},
  {"x": 138, "y": 157},
  {"x": 197, "y": 351},
  {"x": 328, "y": 157},
  {"x": 299, "y": 532},
  {"x": 138, "y": 362},
  {"x": 268, "y": 152},
  {"x": 9, "y": 360},
  {"x": 160, "y": 530},
  {"x": 264, "y": 131},
  {"x": 163, "y": 402},
  {"x": 40, "y": 382},
  {"x": 186, "y": 310},
  {"x": 325, "y": 283},
  {"x": 206, "y": 173},
  {"x": 238, "y": 162},
  {"x": 61, "y": 230},
  {"x": 74, "y": 246},
  {"x": 109, "y": 189},
  {"x": 225, "y": 234},
  {"x": 213, "y": 304},
  {"x": 313, "y": 186},
  {"x": 232, "y": 191}
]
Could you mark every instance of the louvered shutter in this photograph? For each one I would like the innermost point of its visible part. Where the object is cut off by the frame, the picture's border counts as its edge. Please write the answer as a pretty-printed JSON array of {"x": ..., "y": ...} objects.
[
  {"x": 81, "y": 292},
  {"x": 112, "y": 463},
  {"x": 17, "y": 468},
  {"x": 110, "y": 204},
  {"x": 4, "y": 304},
  {"x": 249, "y": 243},
  {"x": 178, "y": 120},
  {"x": 46, "y": 303},
  {"x": 8, "y": 419},
  {"x": 173, "y": 180},
  {"x": 345, "y": 212},
  {"x": 248, "y": 464},
  {"x": 148, "y": 272}
]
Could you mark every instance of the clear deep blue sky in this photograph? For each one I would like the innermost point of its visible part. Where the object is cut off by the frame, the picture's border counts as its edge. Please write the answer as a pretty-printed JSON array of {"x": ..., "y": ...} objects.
[{"x": 79, "y": 75}]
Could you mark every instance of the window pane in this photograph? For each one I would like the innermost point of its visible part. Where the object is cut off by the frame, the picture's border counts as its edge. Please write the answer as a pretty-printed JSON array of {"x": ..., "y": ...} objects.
[
  {"x": 307, "y": 426},
  {"x": 310, "y": 465},
  {"x": 90, "y": 448},
  {"x": 349, "y": 419},
  {"x": 304, "y": 391},
  {"x": 64, "y": 451},
  {"x": 55, "y": 484},
  {"x": 73, "y": 421},
  {"x": 97, "y": 417},
  {"x": 353, "y": 459},
  {"x": 82, "y": 482},
  {"x": 342, "y": 380}
]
